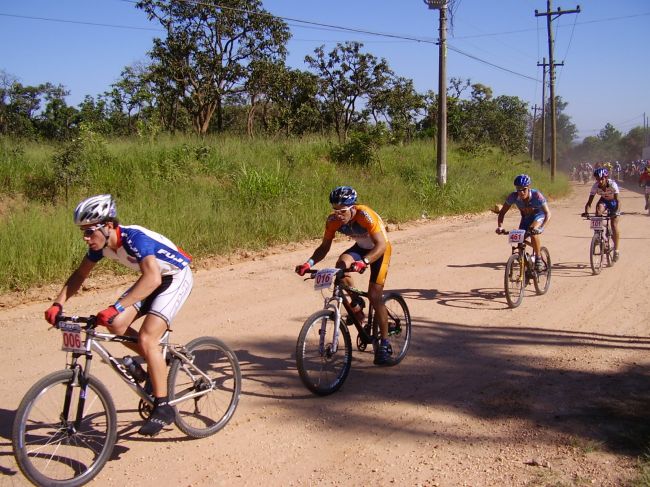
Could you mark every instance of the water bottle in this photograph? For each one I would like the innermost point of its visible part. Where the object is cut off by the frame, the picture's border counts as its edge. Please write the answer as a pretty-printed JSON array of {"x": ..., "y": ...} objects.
[{"x": 134, "y": 368}]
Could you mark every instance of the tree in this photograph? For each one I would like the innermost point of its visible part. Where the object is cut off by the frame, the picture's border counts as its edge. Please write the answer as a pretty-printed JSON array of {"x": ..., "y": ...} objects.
[
  {"x": 208, "y": 49},
  {"x": 399, "y": 104},
  {"x": 346, "y": 77}
]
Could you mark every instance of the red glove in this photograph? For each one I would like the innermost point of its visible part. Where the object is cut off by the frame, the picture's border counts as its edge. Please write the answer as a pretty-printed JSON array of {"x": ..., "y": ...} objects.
[
  {"x": 301, "y": 269},
  {"x": 52, "y": 312},
  {"x": 358, "y": 266},
  {"x": 106, "y": 316}
]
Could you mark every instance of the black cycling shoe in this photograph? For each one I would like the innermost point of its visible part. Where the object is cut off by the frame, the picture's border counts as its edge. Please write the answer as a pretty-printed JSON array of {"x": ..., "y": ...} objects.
[
  {"x": 162, "y": 416},
  {"x": 383, "y": 353}
]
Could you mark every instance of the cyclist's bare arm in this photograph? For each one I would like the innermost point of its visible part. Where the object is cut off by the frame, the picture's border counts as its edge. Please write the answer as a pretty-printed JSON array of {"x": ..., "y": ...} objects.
[
  {"x": 379, "y": 248},
  {"x": 547, "y": 214},
  {"x": 75, "y": 280},
  {"x": 146, "y": 283},
  {"x": 321, "y": 251},
  {"x": 589, "y": 201},
  {"x": 502, "y": 214}
]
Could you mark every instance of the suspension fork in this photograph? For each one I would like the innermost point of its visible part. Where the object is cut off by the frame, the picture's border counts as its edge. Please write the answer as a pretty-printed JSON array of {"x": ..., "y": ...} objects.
[{"x": 336, "y": 307}]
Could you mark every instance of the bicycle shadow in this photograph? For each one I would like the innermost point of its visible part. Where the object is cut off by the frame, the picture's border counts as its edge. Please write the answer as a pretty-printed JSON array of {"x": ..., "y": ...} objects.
[
  {"x": 6, "y": 449},
  {"x": 488, "y": 299},
  {"x": 484, "y": 265}
]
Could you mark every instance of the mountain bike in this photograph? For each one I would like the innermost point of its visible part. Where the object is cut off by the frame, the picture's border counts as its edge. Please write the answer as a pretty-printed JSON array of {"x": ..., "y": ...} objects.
[
  {"x": 324, "y": 347},
  {"x": 66, "y": 425},
  {"x": 601, "y": 248},
  {"x": 520, "y": 269}
]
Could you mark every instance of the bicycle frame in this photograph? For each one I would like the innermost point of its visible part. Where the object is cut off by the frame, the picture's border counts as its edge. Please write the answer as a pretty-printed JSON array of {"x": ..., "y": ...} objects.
[
  {"x": 334, "y": 302},
  {"x": 93, "y": 337}
]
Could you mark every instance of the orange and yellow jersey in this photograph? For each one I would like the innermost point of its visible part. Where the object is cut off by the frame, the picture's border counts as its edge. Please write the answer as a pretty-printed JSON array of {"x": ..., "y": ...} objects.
[{"x": 364, "y": 223}]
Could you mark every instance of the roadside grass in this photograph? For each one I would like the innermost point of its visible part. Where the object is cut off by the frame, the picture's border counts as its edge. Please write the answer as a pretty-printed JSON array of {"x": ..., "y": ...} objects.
[
  {"x": 216, "y": 196},
  {"x": 642, "y": 478}
]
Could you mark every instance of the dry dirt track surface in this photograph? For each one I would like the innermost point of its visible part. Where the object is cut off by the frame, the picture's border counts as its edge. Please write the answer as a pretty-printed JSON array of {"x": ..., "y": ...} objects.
[{"x": 554, "y": 392}]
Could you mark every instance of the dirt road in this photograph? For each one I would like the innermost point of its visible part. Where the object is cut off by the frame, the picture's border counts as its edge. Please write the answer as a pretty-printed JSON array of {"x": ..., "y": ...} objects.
[{"x": 552, "y": 393}]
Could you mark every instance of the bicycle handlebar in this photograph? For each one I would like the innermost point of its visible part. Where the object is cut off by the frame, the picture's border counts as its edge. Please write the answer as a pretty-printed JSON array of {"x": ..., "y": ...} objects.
[
  {"x": 90, "y": 321},
  {"x": 339, "y": 274}
]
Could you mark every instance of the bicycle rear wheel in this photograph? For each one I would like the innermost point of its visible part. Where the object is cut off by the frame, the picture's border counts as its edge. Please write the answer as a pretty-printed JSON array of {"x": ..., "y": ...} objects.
[
  {"x": 542, "y": 280},
  {"x": 596, "y": 254},
  {"x": 206, "y": 413},
  {"x": 399, "y": 326},
  {"x": 514, "y": 280},
  {"x": 51, "y": 449},
  {"x": 322, "y": 370}
]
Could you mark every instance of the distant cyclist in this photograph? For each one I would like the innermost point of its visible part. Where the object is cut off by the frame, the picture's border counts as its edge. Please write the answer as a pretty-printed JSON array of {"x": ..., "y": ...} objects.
[
  {"x": 644, "y": 182},
  {"x": 608, "y": 203},
  {"x": 535, "y": 214},
  {"x": 164, "y": 284},
  {"x": 372, "y": 249}
]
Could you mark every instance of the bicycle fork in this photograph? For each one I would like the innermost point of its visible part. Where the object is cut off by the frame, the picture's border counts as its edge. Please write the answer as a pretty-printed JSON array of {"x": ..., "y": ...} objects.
[{"x": 323, "y": 347}]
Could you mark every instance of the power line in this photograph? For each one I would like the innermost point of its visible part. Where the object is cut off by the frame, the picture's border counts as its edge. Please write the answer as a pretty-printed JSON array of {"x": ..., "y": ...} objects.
[{"x": 321, "y": 25}]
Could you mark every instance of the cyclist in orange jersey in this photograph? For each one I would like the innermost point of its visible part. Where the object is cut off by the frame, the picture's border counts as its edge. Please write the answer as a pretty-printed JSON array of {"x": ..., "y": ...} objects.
[{"x": 371, "y": 249}]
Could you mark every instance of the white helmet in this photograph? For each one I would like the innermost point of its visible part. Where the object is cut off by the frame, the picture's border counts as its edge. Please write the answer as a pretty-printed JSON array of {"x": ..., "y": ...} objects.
[{"x": 95, "y": 209}]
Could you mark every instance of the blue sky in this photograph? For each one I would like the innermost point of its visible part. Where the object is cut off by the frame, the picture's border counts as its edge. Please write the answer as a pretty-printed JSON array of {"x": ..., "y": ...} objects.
[{"x": 605, "y": 77}]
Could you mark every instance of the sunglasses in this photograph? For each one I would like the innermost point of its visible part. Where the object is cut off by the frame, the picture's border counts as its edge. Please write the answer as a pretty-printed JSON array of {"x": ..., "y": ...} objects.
[
  {"x": 521, "y": 190},
  {"x": 88, "y": 232},
  {"x": 341, "y": 210}
]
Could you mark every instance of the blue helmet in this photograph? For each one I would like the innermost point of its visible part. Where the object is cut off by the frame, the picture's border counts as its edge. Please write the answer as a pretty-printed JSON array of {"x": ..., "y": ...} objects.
[
  {"x": 601, "y": 172},
  {"x": 522, "y": 180},
  {"x": 343, "y": 195}
]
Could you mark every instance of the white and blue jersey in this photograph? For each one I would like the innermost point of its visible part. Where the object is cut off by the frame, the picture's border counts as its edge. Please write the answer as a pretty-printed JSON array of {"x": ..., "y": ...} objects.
[{"x": 134, "y": 243}]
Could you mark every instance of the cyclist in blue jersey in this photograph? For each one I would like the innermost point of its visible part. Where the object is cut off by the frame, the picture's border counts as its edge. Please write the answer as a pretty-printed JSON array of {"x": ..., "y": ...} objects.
[
  {"x": 535, "y": 214},
  {"x": 164, "y": 284}
]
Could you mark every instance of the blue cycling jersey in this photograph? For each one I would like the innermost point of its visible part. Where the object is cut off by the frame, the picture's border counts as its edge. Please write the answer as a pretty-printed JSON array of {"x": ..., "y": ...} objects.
[
  {"x": 135, "y": 243},
  {"x": 527, "y": 208}
]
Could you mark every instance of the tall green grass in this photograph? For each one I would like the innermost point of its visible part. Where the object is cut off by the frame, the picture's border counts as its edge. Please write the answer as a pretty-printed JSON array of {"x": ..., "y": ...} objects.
[{"x": 216, "y": 196}]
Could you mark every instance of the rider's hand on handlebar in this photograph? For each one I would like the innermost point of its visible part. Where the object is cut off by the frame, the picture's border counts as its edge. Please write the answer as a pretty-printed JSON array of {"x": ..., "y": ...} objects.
[
  {"x": 52, "y": 313},
  {"x": 106, "y": 316},
  {"x": 536, "y": 231},
  {"x": 585, "y": 215},
  {"x": 301, "y": 269},
  {"x": 499, "y": 230},
  {"x": 358, "y": 266}
]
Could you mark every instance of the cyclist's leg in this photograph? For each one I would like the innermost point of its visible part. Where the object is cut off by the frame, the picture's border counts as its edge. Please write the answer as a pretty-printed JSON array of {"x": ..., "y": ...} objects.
[
  {"x": 378, "y": 273},
  {"x": 122, "y": 326},
  {"x": 159, "y": 309},
  {"x": 151, "y": 332},
  {"x": 346, "y": 259}
]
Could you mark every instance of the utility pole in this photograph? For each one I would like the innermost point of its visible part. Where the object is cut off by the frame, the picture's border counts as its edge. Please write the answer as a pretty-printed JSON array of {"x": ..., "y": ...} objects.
[
  {"x": 544, "y": 65},
  {"x": 542, "y": 156},
  {"x": 442, "y": 90},
  {"x": 532, "y": 133},
  {"x": 551, "y": 70}
]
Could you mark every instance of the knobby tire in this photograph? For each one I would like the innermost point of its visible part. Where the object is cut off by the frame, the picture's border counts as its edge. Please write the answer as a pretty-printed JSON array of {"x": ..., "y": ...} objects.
[
  {"x": 52, "y": 452},
  {"x": 321, "y": 371},
  {"x": 399, "y": 326},
  {"x": 205, "y": 415},
  {"x": 542, "y": 280},
  {"x": 514, "y": 281}
]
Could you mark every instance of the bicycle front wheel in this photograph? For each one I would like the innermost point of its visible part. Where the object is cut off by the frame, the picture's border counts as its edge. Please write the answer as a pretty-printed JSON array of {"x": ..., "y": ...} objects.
[
  {"x": 64, "y": 448},
  {"x": 514, "y": 280},
  {"x": 208, "y": 390},
  {"x": 323, "y": 369},
  {"x": 542, "y": 280},
  {"x": 596, "y": 254},
  {"x": 399, "y": 326}
]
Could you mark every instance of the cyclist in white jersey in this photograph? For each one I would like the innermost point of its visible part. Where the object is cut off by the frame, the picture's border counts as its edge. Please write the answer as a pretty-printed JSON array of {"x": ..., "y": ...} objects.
[
  {"x": 158, "y": 294},
  {"x": 608, "y": 203}
]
